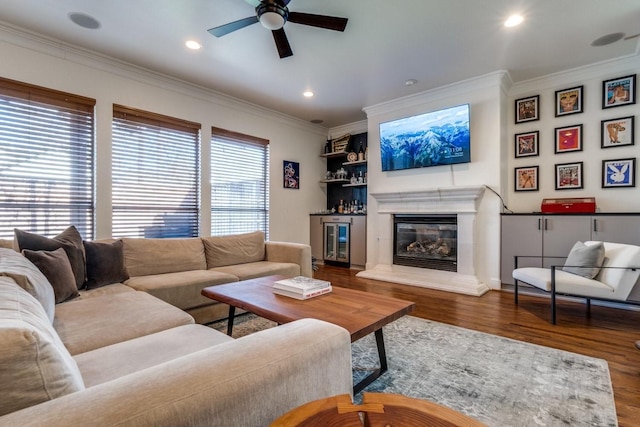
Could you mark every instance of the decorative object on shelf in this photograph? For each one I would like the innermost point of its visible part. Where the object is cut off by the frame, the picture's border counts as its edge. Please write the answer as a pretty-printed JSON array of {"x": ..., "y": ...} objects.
[
  {"x": 352, "y": 156},
  {"x": 361, "y": 153},
  {"x": 619, "y": 173},
  {"x": 291, "y": 172},
  {"x": 569, "y": 101},
  {"x": 340, "y": 144},
  {"x": 617, "y": 132},
  {"x": 569, "y": 176},
  {"x": 568, "y": 138},
  {"x": 327, "y": 147},
  {"x": 528, "y": 109},
  {"x": 341, "y": 174},
  {"x": 619, "y": 91},
  {"x": 527, "y": 144},
  {"x": 526, "y": 178}
]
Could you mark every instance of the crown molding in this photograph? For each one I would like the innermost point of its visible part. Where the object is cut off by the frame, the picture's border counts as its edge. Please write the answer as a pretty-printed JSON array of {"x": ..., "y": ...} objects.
[
  {"x": 612, "y": 67},
  {"x": 65, "y": 51},
  {"x": 352, "y": 128},
  {"x": 495, "y": 79}
]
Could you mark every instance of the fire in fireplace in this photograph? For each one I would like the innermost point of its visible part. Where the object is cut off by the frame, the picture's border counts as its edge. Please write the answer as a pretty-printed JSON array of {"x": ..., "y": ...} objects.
[{"x": 426, "y": 241}]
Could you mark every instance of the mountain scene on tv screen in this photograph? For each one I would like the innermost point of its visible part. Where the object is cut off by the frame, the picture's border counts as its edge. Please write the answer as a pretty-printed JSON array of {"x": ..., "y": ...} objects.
[{"x": 423, "y": 141}]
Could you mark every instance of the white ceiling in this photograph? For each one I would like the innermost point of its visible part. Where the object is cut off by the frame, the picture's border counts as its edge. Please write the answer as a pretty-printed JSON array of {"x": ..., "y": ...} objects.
[{"x": 385, "y": 43}]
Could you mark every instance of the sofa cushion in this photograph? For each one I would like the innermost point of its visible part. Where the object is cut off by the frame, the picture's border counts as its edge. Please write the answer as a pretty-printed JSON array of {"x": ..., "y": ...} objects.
[
  {"x": 105, "y": 263},
  {"x": 234, "y": 249},
  {"x": 27, "y": 275},
  {"x": 6, "y": 243},
  {"x": 114, "y": 288},
  {"x": 34, "y": 364},
  {"x": 69, "y": 240},
  {"x": 56, "y": 268},
  {"x": 585, "y": 260},
  {"x": 117, "y": 360},
  {"x": 87, "y": 324},
  {"x": 143, "y": 257},
  {"x": 252, "y": 270},
  {"x": 182, "y": 290}
]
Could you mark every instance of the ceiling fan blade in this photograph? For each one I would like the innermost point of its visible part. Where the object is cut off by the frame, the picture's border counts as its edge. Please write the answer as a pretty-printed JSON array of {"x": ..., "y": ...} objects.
[
  {"x": 282, "y": 43},
  {"x": 320, "y": 21},
  {"x": 232, "y": 26},
  {"x": 254, "y": 3}
]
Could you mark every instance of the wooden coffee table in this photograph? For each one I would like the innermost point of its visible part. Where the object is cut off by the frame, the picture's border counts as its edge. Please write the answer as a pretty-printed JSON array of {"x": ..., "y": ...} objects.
[{"x": 361, "y": 313}]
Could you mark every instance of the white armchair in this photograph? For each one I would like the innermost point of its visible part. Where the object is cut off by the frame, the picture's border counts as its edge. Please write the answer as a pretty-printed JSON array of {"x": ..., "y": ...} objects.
[{"x": 613, "y": 282}]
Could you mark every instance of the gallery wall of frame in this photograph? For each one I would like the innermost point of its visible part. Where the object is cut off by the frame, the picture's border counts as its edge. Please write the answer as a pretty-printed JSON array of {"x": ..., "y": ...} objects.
[{"x": 573, "y": 135}]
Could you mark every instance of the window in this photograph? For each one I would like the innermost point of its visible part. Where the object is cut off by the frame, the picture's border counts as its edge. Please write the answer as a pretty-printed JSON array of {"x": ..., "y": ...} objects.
[
  {"x": 239, "y": 183},
  {"x": 155, "y": 175},
  {"x": 46, "y": 160}
]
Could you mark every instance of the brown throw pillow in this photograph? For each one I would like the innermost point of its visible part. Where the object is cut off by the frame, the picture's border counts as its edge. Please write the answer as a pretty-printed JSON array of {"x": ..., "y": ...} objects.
[
  {"x": 56, "y": 268},
  {"x": 69, "y": 240},
  {"x": 105, "y": 263}
]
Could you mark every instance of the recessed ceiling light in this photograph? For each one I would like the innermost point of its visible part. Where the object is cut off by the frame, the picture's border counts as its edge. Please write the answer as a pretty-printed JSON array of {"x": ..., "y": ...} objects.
[
  {"x": 84, "y": 20},
  {"x": 307, "y": 94},
  {"x": 410, "y": 82},
  {"x": 317, "y": 121},
  {"x": 513, "y": 21},
  {"x": 192, "y": 44}
]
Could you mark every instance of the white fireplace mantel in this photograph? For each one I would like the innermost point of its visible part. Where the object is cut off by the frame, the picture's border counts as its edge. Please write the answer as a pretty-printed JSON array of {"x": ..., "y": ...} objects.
[{"x": 459, "y": 200}]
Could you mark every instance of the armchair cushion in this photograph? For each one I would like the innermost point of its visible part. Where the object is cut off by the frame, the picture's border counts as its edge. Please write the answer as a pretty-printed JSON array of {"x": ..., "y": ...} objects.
[{"x": 585, "y": 260}]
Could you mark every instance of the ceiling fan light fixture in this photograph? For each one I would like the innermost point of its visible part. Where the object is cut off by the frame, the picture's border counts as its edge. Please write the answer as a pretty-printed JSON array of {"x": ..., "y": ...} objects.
[{"x": 272, "y": 16}]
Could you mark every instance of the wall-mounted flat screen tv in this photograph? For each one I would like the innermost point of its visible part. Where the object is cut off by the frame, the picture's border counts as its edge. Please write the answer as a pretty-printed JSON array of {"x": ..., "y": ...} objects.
[{"x": 430, "y": 139}]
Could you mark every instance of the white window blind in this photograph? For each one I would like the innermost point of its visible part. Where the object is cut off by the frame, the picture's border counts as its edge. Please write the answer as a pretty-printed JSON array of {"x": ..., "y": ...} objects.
[
  {"x": 156, "y": 171},
  {"x": 46, "y": 160},
  {"x": 239, "y": 183}
]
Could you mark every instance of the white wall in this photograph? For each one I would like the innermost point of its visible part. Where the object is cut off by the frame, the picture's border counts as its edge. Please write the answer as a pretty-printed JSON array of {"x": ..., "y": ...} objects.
[
  {"x": 591, "y": 77},
  {"x": 486, "y": 96},
  {"x": 35, "y": 60}
]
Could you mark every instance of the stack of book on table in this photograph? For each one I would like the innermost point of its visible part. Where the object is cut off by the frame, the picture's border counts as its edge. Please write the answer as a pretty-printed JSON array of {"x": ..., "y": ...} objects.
[{"x": 301, "y": 287}]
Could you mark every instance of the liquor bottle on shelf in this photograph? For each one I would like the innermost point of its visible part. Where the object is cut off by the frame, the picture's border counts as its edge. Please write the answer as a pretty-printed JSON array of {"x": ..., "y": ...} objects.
[
  {"x": 341, "y": 207},
  {"x": 361, "y": 153}
]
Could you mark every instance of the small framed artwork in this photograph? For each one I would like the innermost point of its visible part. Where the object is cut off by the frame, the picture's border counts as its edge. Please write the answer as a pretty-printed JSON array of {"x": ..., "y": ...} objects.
[
  {"x": 526, "y": 178},
  {"x": 568, "y": 138},
  {"x": 568, "y": 176},
  {"x": 617, "y": 132},
  {"x": 528, "y": 109},
  {"x": 527, "y": 144},
  {"x": 569, "y": 101},
  {"x": 619, "y": 91},
  {"x": 291, "y": 172},
  {"x": 619, "y": 173}
]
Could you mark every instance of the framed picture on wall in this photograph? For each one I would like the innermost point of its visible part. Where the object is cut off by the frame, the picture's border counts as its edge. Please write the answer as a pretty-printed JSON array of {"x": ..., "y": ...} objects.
[
  {"x": 619, "y": 91},
  {"x": 527, "y": 144},
  {"x": 569, "y": 101},
  {"x": 617, "y": 132},
  {"x": 569, "y": 176},
  {"x": 619, "y": 173},
  {"x": 568, "y": 138},
  {"x": 526, "y": 178},
  {"x": 291, "y": 174},
  {"x": 528, "y": 109}
]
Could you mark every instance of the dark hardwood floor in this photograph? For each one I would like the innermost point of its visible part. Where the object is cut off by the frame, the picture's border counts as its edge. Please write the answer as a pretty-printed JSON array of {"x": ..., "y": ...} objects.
[{"x": 607, "y": 333}]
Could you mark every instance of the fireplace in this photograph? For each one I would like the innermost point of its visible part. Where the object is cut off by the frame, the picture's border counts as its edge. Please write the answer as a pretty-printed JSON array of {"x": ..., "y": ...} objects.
[
  {"x": 460, "y": 202},
  {"x": 426, "y": 241}
]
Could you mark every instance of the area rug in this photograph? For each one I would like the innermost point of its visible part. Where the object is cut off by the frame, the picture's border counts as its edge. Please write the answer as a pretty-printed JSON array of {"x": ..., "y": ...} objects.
[{"x": 496, "y": 380}]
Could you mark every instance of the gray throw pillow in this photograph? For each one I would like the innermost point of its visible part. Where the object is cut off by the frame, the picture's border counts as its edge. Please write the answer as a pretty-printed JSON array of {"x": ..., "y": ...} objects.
[
  {"x": 585, "y": 260},
  {"x": 70, "y": 240},
  {"x": 56, "y": 268},
  {"x": 105, "y": 263}
]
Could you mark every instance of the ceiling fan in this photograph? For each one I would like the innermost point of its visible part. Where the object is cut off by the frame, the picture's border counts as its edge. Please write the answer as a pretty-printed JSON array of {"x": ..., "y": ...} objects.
[{"x": 273, "y": 14}]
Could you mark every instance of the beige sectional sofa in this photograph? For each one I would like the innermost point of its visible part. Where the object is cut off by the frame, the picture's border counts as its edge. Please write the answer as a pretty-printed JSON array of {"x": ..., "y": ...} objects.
[{"x": 131, "y": 354}]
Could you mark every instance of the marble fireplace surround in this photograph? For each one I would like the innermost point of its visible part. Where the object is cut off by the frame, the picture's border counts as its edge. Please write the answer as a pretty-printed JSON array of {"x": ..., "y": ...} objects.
[{"x": 461, "y": 201}]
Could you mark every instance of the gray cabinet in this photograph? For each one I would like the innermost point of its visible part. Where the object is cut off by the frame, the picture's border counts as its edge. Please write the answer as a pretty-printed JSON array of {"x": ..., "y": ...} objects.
[
  {"x": 328, "y": 242},
  {"x": 547, "y": 239}
]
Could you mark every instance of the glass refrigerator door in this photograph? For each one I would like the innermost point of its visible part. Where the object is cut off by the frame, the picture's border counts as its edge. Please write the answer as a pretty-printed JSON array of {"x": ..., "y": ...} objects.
[
  {"x": 343, "y": 243},
  {"x": 330, "y": 241}
]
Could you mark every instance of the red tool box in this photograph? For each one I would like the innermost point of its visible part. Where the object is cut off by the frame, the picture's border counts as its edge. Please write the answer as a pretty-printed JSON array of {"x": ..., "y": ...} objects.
[{"x": 570, "y": 205}]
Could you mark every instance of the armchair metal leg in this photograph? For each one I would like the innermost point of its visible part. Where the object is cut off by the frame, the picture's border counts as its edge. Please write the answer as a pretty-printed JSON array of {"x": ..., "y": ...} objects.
[
  {"x": 553, "y": 295},
  {"x": 588, "y": 307},
  {"x": 515, "y": 291}
]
